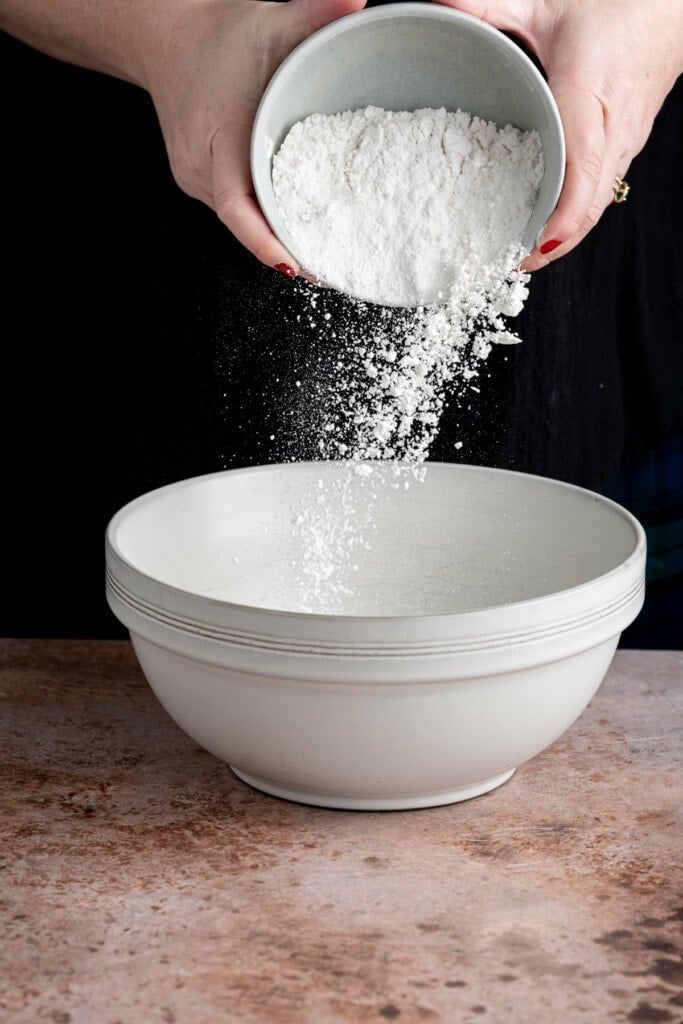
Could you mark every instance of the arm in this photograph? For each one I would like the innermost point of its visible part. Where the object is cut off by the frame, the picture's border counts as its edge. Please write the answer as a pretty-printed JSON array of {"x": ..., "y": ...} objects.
[
  {"x": 116, "y": 38},
  {"x": 205, "y": 64}
]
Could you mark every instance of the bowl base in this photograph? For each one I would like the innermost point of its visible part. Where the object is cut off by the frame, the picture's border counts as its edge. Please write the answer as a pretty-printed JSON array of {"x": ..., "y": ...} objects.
[{"x": 410, "y": 801}]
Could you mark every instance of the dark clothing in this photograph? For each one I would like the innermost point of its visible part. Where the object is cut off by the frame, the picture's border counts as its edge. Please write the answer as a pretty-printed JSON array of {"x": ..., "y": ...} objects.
[
  {"x": 652, "y": 489},
  {"x": 142, "y": 344}
]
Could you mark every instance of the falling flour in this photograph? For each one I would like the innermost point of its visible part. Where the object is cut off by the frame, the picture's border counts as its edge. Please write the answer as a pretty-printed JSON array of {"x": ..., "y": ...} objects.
[
  {"x": 423, "y": 211},
  {"x": 419, "y": 219}
]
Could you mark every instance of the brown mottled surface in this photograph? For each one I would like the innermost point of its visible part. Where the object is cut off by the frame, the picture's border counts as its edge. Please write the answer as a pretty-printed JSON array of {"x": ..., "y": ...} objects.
[{"x": 141, "y": 882}]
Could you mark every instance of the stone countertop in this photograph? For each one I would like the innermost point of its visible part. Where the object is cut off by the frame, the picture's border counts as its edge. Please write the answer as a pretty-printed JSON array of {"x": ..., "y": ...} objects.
[{"x": 140, "y": 881}]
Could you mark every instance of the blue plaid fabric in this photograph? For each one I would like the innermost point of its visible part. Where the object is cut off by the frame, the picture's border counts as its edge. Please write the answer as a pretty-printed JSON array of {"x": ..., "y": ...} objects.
[{"x": 652, "y": 489}]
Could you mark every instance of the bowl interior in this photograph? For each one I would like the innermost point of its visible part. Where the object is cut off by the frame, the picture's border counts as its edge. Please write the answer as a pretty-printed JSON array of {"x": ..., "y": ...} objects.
[
  {"x": 318, "y": 537},
  {"x": 406, "y": 57}
]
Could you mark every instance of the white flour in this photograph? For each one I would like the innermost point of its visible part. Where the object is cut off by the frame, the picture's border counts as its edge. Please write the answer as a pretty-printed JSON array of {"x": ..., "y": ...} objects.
[
  {"x": 401, "y": 208},
  {"x": 423, "y": 211}
]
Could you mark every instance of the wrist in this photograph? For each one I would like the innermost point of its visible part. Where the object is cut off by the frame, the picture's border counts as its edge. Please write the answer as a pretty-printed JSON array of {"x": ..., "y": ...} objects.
[
  {"x": 175, "y": 34},
  {"x": 155, "y": 34}
]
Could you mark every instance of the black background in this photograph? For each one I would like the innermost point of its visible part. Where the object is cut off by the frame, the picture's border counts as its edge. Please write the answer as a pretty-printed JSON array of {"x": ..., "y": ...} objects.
[{"x": 142, "y": 344}]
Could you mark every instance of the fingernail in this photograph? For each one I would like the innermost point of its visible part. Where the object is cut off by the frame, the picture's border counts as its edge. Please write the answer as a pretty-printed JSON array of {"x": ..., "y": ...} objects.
[
  {"x": 285, "y": 268},
  {"x": 550, "y": 245}
]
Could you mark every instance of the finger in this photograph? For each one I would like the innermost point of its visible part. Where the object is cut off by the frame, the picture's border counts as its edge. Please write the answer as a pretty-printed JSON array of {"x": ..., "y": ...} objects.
[
  {"x": 615, "y": 165},
  {"x": 578, "y": 209},
  {"x": 604, "y": 196},
  {"x": 234, "y": 202}
]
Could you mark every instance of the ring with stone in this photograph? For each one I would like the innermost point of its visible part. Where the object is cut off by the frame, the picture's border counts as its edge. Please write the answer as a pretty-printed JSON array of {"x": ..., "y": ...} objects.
[{"x": 621, "y": 190}]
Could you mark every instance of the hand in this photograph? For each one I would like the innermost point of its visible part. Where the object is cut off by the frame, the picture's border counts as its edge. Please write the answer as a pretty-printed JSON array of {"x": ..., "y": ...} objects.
[
  {"x": 206, "y": 82},
  {"x": 610, "y": 65}
]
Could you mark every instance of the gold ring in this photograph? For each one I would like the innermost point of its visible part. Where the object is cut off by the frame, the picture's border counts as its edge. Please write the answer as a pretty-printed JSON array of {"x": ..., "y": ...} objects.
[{"x": 621, "y": 190}]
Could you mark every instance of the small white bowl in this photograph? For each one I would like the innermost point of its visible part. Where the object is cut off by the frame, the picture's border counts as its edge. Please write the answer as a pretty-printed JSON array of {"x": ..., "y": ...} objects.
[
  {"x": 408, "y": 56},
  {"x": 481, "y": 621}
]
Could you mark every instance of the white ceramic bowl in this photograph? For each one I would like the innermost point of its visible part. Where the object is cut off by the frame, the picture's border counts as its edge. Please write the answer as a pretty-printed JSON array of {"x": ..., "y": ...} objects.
[
  {"x": 478, "y": 625},
  {"x": 407, "y": 56}
]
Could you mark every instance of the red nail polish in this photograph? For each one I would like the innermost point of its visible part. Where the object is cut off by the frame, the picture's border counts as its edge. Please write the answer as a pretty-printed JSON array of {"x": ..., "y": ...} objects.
[
  {"x": 549, "y": 246},
  {"x": 285, "y": 268}
]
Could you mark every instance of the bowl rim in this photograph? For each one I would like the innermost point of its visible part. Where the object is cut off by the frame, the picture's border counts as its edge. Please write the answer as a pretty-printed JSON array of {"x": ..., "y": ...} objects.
[
  {"x": 624, "y": 568},
  {"x": 411, "y": 8}
]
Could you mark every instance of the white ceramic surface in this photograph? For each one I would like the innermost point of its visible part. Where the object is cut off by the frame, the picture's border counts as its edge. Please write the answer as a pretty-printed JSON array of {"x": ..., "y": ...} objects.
[
  {"x": 477, "y": 628},
  {"x": 408, "y": 56}
]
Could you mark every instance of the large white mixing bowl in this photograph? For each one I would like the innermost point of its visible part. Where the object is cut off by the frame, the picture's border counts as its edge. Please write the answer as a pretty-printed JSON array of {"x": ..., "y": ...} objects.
[{"x": 481, "y": 616}]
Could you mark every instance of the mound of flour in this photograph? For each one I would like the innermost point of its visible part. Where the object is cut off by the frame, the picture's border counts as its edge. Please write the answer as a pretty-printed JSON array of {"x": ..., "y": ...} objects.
[{"x": 405, "y": 208}]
